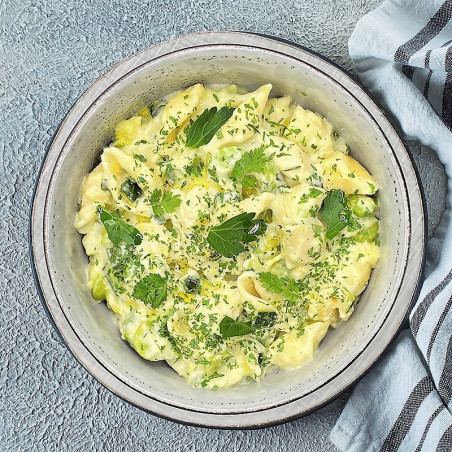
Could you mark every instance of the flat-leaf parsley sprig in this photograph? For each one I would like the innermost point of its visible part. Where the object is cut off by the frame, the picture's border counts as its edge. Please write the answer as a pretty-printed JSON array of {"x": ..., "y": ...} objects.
[
  {"x": 228, "y": 238},
  {"x": 287, "y": 287},
  {"x": 252, "y": 161},
  {"x": 151, "y": 289},
  {"x": 162, "y": 202}
]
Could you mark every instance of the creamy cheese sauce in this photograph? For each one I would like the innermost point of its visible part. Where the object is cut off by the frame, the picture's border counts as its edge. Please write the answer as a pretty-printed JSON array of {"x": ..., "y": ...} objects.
[{"x": 148, "y": 213}]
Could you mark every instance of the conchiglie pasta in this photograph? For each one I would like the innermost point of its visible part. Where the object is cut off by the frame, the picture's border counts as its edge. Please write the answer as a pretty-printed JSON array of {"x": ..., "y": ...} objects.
[
  {"x": 295, "y": 349},
  {"x": 297, "y": 203},
  {"x": 302, "y": 244},
  {"x": 343, "y": 172},
  {"x": 244, "y": 122},
  {"x": 231, "y": 253},
  {"x": 178, "y": 110},
  {"x": 277, "y": 114},
  {"x": 310, "y": 131},
  {"x": 249, "y": 289}
]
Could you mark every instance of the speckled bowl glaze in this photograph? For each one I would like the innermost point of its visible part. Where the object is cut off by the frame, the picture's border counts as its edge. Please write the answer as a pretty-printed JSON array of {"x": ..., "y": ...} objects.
[{"x": 60, "y": 263}]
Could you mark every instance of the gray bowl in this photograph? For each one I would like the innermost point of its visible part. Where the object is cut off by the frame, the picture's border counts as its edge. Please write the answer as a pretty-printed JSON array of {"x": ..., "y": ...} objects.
[{"x": 89, "y": 329}]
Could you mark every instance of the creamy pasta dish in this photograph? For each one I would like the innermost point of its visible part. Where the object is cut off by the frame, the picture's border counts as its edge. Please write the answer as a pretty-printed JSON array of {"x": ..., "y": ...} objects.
[{"x": 228, "y": 231}]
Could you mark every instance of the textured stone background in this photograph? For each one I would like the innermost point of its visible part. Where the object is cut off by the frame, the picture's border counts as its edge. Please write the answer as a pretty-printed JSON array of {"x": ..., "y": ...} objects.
[{"x": 50, "y": 53}]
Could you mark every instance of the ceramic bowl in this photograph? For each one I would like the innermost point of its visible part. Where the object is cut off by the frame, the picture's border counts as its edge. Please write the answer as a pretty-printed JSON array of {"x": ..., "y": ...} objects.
[{"x": 60, "y": 263}]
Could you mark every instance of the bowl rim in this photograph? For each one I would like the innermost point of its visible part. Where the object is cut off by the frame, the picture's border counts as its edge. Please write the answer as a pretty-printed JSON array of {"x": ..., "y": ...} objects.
[{"x": 37, "y": 237}]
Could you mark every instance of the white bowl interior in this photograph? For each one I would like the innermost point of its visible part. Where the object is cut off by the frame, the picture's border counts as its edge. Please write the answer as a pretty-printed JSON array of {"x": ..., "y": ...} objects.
[{"x": 247, "y": 67}]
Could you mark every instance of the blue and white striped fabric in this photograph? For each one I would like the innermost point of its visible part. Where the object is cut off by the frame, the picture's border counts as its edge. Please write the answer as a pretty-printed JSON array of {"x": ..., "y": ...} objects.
[{"x": 403, "y": 53}]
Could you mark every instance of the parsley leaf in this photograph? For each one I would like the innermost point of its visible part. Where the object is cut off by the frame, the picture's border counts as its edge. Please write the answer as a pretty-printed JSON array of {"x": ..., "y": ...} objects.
[
  {"x": 334, "y": 213},
  {"x": 252, "y": 161},
  {"x": 169, "y": 202},
  {"x": 231, "y": 328},
  {"x": 227, "y": 237},
  {"x": 118, "y": 229},
  {"x": 151, "y": 289},
  {"x": 202, "y": 130},
  {"x": 165, "y": 201},
  {"x": 285, "y": 286}
]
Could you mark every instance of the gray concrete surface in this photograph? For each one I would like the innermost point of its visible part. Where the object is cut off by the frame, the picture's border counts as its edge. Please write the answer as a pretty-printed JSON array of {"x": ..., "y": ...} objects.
[{"x": 50, "y": 53}]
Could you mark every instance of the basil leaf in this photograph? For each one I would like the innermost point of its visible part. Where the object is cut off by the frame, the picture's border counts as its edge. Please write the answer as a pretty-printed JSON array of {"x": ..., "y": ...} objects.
[
  {"x": 334, "y": 213},
  {"x": 118, "y": 229},
  {"x": 151, "y": 289},
  {"x": 202, "y": 130},
  {"x": 335, "y": 228},
  {"x": 231, "y": 328},
  {"x": 227, "y": 238}
]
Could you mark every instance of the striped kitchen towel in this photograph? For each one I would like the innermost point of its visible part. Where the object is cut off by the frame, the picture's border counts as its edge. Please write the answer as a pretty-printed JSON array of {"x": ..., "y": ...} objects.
[{"x": 402, "y": 52}]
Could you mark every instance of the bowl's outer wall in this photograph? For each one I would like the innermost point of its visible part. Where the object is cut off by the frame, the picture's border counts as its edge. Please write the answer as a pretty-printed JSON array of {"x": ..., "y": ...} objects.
[{"x": 249, "y": 61}]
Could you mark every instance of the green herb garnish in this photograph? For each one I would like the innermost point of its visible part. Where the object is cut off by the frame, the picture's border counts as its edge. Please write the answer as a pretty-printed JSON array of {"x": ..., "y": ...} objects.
[
  {"x": 265, "y": 319},
  {"x": 231, "y": 328},
  {"x": 334, "y": 213},
  {"x": 164, "y": 201},
  {"x": 196, "y": 167},
  {"x": 202, "y": 130},
  {"x": 211, "y": 377},
  {"x": 227, "y": 238},
  {"x": 252, "y": 161},
  {"x": 140, "y": 157},
  {"x": 131, "y": 189},
  {"x": 118, "y": 229},
  {"x": 151, "y": 289},
  {"x": 124, "y": 265},
  {"x": 287, "y": 287},
  {"x": 313, "y": 193}
]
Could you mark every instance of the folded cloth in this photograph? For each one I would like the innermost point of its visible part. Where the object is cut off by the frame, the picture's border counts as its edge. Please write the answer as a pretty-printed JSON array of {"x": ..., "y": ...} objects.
[{"x": 402, "y": 52}]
